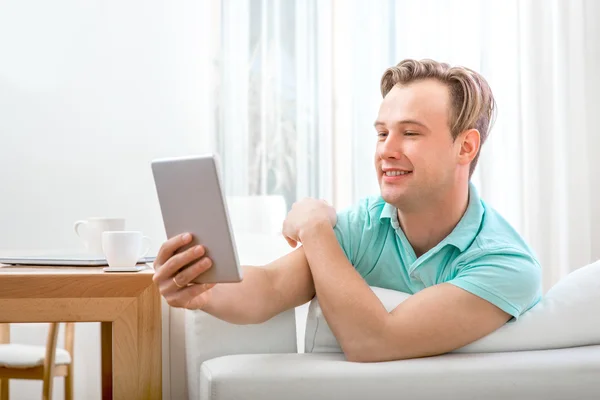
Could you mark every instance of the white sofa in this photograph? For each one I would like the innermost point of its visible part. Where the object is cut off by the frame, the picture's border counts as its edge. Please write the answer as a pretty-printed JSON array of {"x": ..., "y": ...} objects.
[
  {"x": 210, "y": 359},
  {"x": 227, "y": 362}
]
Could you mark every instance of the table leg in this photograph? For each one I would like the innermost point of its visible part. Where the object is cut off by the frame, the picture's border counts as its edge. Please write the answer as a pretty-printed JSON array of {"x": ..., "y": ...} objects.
[
  {"x": 107, "y": 373},
  {"x": 4, "y": 389},
  {"x": 137, "y": 349}
]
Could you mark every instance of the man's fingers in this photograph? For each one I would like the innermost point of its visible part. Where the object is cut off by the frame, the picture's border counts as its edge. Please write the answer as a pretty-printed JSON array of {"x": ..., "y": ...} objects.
[
  {"x": 170, "y": 247},
  {"x": 184, "y": 277},
  {"x": 176, "y": 262}
]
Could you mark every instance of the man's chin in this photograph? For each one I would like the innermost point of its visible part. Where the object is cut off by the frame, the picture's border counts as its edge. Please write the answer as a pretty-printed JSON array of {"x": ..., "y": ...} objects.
[{"x": 393, "y": 197}]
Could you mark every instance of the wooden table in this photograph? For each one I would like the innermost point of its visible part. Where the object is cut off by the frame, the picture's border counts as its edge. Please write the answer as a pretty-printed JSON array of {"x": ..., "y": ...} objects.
[{"x": 127, "y": 305}]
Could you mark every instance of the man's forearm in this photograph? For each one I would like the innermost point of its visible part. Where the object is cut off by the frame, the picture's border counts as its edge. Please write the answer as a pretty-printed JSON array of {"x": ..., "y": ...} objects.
[
  {"x": 265, "y": 291},
  {"x": 353, "y": 312},
  {"x": 250, "y": 301}
]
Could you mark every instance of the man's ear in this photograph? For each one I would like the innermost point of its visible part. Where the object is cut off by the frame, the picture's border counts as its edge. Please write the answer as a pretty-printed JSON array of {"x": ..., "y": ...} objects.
[{"x": 469, "y": 142}]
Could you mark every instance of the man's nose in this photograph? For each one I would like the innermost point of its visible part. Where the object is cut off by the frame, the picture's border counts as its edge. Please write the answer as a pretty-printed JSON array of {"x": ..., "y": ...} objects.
[{"x": 391, "y": 147}]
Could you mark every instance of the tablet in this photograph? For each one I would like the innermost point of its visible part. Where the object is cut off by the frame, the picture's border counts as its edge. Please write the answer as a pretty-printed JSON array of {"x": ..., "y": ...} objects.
[{"x": 191, "y": 200}]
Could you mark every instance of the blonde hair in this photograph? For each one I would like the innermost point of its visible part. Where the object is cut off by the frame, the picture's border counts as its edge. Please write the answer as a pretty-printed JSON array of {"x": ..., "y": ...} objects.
[{"x": 472, "y": 102}]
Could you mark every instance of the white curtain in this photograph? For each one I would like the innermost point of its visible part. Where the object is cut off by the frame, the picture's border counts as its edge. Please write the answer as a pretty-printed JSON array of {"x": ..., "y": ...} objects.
[
  {"x": 540, "y": 167},
  {"x": 270, "y": 108},
  {"x": 298, "y": 89}
]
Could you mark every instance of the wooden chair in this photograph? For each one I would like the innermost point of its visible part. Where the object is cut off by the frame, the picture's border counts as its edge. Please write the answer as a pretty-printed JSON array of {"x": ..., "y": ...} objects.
[{"x": 37, "y": 362}]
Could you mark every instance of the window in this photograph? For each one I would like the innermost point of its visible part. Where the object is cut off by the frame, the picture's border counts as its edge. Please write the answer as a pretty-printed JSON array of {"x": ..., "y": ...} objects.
[{"x": 272, "y": 101}]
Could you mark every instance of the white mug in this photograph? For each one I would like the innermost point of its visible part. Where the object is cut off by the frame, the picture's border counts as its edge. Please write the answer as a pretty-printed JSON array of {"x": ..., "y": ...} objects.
[
  {"x": 90, "y": 232},
  {"x": 124, "y": 248}
]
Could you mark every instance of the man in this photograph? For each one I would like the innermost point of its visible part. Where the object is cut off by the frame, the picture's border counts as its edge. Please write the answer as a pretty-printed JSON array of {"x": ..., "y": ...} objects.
[{"x": 428, "y": 234}]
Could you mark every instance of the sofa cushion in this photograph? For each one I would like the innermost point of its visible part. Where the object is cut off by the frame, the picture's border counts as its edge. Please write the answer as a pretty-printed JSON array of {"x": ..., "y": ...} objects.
[
  {"x": 546, "y": 374},
  {"x": 566, "y": 316}
]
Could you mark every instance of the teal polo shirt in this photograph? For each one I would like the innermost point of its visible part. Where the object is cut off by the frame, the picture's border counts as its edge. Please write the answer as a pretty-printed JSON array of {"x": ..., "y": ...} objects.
[{"x": 483, "y": 255}]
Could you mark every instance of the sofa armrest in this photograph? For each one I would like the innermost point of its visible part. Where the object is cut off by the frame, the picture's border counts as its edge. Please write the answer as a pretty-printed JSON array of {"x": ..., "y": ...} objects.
[
  {"x": 207, "y": 337},
  {"x": 191, "y": 337}
]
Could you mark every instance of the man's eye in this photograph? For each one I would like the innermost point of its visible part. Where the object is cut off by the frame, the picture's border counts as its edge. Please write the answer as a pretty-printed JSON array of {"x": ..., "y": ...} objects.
[
  {"x": 410, "y": 133},
  {"x": 382, "y": 134}
]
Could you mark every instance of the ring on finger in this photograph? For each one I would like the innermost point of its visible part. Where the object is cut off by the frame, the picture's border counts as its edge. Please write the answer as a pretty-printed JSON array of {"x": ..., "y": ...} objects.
[{"x": 177, "y": 284}]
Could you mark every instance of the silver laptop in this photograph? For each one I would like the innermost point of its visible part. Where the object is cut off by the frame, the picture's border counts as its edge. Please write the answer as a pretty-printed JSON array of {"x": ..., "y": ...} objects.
[{"x": 65, "y": 259}]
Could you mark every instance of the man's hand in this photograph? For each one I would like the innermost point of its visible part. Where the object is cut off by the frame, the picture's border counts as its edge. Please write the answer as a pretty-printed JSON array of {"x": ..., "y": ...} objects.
[
  {"x": 174, "y": 283},
  {"x": 304, "y": 215}
]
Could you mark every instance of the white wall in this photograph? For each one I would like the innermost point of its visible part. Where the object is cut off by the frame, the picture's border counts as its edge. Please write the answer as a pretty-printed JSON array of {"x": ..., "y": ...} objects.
[{"x": 90, "y": 92}]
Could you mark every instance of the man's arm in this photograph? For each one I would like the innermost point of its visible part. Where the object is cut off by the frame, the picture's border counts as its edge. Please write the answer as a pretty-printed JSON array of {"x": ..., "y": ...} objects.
[
  {"x": 264, "y": 292},
  {"x": 434, "y": 321}
]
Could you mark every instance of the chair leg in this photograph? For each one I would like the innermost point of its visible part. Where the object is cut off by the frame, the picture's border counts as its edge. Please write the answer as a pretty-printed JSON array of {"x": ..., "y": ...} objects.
[
  {"x": 4, "y": 392},
  {"x": 69, "y": 341},
  {"x": 48, "y": 376},
  {"x": 69, "y": 386},
  {"x": 47, "y": 386}
]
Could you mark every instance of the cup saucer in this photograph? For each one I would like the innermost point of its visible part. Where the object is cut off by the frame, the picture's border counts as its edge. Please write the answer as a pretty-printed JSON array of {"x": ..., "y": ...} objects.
[{"x": 135, "y": 268}]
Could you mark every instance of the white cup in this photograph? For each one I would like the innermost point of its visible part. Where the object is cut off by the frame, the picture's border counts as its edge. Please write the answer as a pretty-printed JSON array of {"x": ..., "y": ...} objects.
[
  {"x": 90, "y": 232},
  {"x": 124, "y": 248}
]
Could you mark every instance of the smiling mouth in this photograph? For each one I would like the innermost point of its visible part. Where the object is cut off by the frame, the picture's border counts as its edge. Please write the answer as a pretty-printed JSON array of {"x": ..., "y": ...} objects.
[{"x": 396, "y": 173}]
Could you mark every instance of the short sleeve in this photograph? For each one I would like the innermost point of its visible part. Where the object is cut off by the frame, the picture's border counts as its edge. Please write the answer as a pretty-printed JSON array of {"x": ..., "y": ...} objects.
[
  {"x": 347, "y": 230},
  {"x": 510, "y": 279},
  {"x": 354, "y": 230}
]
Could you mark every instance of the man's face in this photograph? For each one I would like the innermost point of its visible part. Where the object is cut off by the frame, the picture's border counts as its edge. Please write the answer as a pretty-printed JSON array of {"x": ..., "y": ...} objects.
[{"x": 416, "y": 157}]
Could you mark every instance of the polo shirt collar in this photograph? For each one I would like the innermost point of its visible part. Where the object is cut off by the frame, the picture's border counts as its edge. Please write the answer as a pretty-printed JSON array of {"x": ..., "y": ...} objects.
[
  {"x": 388, "y": 212},
  {"x": 469, "y": 225}
]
